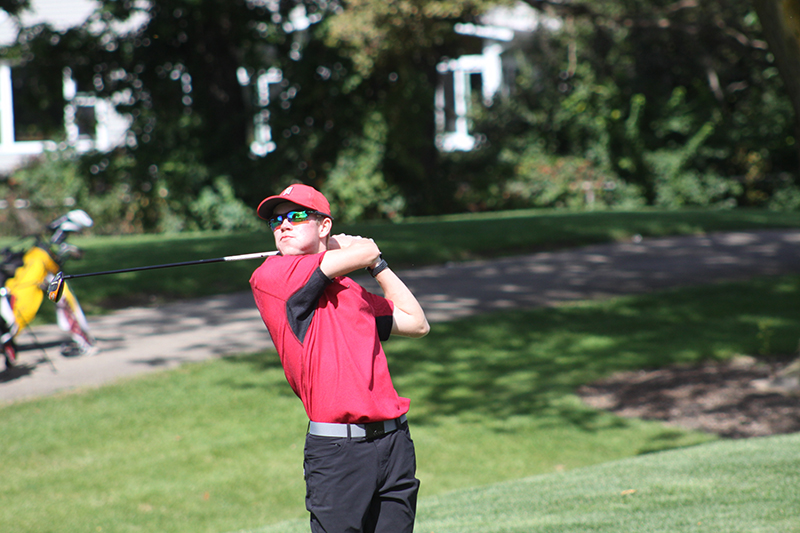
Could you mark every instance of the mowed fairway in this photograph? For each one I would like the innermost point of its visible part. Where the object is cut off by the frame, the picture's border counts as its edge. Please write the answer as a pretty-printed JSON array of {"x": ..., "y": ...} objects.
[
  {"x": 735, "y": 486},
  {"x": 217, "y": 446},
  {"x": 503, "y": 443}
]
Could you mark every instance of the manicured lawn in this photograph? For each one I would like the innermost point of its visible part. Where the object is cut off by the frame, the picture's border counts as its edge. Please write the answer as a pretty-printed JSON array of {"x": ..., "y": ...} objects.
[
  {"x": 735, "y": 486},
  {"x": 217, "y": 446},
  {"x": 415, "y": 242}
]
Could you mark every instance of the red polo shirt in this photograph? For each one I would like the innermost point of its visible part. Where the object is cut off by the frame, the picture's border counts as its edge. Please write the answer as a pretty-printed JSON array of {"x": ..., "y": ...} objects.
[{"x": 328, "y": 334}]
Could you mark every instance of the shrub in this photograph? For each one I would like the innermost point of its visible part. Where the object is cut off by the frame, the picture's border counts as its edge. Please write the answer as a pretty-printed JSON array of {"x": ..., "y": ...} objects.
[
  {"x": 356, "y": 186},
  {"x": 218, "y": 208},
  {"x": 785, "y": 198},
  {"x": 541, "y": 180},
  {"x": 42, "y": 190}
]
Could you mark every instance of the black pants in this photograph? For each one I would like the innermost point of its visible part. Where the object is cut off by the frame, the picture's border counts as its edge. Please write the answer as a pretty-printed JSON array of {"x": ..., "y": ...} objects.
[{"x": 359, "y": 485}]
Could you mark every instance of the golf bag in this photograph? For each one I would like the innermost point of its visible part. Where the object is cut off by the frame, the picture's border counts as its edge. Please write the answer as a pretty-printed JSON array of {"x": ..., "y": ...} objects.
[{"x": 24, "y": 277}]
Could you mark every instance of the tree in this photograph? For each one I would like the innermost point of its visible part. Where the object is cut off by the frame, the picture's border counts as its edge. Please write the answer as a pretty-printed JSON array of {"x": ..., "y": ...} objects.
[
  {"x": 781, "y": 22},
  {"x": 13, "y": 7},
  {"x": 677, "y": 98},
  {"x": 394, "y": 47},
  {"x": 182, "y": 70},
  {"x": 178, "y": 71}
]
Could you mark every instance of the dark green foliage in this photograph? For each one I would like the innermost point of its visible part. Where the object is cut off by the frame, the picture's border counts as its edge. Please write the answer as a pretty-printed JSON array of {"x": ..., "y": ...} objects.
[
  {"x": 627, "y": 103},
  {"x": 682, "y": 104}
]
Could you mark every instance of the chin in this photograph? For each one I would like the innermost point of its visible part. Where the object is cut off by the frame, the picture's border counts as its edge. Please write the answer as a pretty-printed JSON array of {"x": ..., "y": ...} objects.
[{"x": 289, "y": 250}]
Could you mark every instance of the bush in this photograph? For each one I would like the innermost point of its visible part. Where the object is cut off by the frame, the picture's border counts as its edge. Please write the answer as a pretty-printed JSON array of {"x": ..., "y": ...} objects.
[
  {"x": 356, "y": 187},
  {"x": 541, "y": 180},
  {"x": 103, "y": 185},
  {"x": 217, "y": 208},
  {"x": 41, "y": 191},
  {"x": 786, "y": 198}
]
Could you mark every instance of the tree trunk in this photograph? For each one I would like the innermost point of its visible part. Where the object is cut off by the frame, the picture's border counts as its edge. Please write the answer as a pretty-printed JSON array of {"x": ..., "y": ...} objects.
[{"x": 780, "y": 20}]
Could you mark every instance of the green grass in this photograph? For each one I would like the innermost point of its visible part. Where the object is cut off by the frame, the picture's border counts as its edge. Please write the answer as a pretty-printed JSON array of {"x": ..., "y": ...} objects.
[
  {"x": 735, "y": 486},
  {"x": 217, "y": 446},
  {"x": 704, "y": 489},
  {"x": 745, "y": 486},
  {"x": 415, "y": 242}
]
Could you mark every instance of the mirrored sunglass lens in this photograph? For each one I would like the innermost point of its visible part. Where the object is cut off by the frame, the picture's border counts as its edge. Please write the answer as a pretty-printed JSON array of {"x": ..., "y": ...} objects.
[
  {"x": 294, "y": 217},
  {"x": 297, "y": 216}
]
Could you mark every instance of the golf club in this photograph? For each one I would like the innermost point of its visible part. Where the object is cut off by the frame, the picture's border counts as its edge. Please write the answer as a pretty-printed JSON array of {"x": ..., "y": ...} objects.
[{"x": 56, "y": 287}]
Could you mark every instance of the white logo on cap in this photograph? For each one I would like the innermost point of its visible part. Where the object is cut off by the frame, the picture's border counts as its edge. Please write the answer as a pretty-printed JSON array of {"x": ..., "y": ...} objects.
[{"x": 287, "y": 191}]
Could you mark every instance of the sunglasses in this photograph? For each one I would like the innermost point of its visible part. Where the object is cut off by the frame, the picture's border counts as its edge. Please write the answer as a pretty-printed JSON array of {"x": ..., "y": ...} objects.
[{"x": 294, "y": 217}]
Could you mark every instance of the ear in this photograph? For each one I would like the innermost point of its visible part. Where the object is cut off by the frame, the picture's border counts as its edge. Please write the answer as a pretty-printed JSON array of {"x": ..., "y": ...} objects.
[{"x": 325, "y": 227}]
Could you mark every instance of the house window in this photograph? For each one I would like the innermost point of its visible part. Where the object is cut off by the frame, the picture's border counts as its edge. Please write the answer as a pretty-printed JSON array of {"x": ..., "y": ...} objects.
[
  {"x": 41, "y": 112},
  {"x": 83, "y": 116},
  {"x": 86, "y": 119},
  {"x": 38, "y": 104},
  {"x": 266, "y": 83},
  {"x": 457, "y": 79},
  {"x": 483, "y": 73}
]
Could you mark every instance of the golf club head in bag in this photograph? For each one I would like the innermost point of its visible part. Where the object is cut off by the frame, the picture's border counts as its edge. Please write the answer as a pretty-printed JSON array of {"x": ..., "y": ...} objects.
[
  {"x": 73, "y": 222},
  {"x": 56, "y": 288}
]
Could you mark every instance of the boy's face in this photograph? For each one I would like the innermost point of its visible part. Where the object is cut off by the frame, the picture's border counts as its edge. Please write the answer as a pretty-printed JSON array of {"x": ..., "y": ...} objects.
[{"x": 298, "y": 238}]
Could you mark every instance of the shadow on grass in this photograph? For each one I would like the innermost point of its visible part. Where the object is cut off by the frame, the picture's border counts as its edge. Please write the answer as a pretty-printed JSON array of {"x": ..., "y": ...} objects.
[
  {"x": 260, "y": 370},
  {"x": 516, "y": 363}
]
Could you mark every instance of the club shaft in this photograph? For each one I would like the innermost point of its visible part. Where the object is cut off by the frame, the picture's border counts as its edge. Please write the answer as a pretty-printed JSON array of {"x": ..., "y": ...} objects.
[{"x": 242, "y": 257}]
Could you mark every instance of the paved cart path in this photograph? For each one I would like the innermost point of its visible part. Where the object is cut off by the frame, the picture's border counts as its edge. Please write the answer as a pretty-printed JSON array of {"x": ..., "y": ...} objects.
[{"x": 138, "y": 340}]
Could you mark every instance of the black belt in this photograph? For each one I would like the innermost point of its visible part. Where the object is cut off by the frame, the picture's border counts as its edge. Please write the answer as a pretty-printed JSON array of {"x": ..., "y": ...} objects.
[{"x": 371, "y": 430}]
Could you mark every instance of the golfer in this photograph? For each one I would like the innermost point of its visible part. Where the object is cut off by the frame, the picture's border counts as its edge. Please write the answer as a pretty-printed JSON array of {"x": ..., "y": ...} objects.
[{"x": 359, "y": 459}]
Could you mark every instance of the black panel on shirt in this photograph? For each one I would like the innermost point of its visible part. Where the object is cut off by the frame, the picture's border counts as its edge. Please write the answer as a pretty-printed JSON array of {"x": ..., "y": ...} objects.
[
  {"x": 301, "y": 305},
  {"x": 384, "y": 324}
]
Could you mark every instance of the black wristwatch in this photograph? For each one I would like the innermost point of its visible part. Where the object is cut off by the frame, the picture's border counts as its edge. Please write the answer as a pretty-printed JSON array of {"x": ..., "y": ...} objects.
[{"x": 380, "y": 267}]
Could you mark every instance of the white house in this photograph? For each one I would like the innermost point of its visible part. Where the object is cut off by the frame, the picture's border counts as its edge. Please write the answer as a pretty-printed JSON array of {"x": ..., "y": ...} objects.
[
  {"x": 499, "y": 28},
  {"x": 89, "y": 122}
]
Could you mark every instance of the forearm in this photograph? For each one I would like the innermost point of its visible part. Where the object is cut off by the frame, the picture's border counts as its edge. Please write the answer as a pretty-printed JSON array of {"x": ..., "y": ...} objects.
[
  {"x": 348, "y": 253},
  {"x": 409, "y": 317}
]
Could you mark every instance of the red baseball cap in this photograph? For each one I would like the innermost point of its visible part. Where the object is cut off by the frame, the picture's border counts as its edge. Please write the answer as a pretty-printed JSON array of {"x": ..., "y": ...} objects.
[{"x": 299, "y": 194}]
